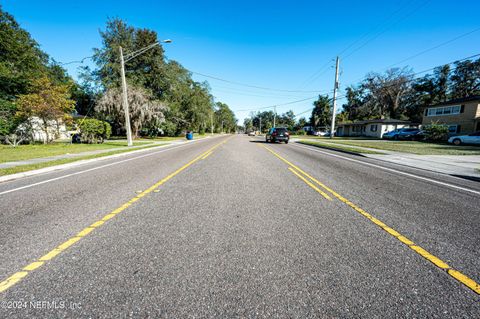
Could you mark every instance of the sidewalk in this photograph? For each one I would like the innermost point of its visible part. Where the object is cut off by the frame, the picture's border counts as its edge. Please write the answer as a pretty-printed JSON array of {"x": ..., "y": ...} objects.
[{"x": 456, "y": 165}]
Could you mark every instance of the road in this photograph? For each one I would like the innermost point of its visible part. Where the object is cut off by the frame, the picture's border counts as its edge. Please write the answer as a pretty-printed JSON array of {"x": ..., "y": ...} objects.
[{"x": 234, "y": 227}]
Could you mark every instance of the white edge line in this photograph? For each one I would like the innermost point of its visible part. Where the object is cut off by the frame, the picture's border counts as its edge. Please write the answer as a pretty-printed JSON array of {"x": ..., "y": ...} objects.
[
  {"x": 392, "y": 170},
  {"x": 94, "y": 168}
]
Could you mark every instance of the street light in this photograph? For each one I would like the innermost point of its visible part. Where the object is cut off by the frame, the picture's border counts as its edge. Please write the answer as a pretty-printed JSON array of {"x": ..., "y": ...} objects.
[{"x": 127, "y": 58}]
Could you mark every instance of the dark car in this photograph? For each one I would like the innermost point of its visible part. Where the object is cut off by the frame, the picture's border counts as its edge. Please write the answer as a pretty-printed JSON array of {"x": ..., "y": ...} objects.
[
  {"x": 277, "y": 134},
  {"x": 402, "y": 134}
]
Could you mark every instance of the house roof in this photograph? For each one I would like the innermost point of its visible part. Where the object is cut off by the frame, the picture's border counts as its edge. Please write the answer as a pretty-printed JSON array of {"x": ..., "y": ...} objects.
[
  {"x": 380, "y": 121},
  {"x": 460, "y": 100}
]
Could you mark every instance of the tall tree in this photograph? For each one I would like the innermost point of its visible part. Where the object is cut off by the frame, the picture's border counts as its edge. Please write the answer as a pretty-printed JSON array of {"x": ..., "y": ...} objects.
[
  {"x": 21, "y": 59},
  {"x": 466, "y": 79},
  {"x": 143, "y": 109},
  {"x": 287, "y": 119},
  {"x": 387, "y": 91},
  {"x": 225, "y": 118},
  {"x": 321, "y": 113}
]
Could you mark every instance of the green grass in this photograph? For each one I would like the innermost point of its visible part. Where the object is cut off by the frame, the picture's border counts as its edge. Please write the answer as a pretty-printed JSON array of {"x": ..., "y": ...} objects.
[
  {"x": 29, "y": 167},
  {"x": 326, "y": 138},
  {"x": 414, "y": 147},
  {"x": 338, "y": 147},
  {"x": 25, "y": 152}
]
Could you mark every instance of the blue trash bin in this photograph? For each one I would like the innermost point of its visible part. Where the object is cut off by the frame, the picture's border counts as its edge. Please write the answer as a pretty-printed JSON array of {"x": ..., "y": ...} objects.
[{"x": 189, "y": 136}]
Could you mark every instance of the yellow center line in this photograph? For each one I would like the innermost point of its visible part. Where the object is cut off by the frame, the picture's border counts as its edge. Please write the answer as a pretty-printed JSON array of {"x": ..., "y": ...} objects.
[
  {"x": 470, "y": 283},
  {"x": 16, "y": 277},
  {"x": 207, "y": 155},
  {"x": 309, "y": 184}
]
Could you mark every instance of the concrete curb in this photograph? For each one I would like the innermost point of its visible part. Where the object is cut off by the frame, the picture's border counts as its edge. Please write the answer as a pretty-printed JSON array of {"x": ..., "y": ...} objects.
[{"x": 60, "y": 167}]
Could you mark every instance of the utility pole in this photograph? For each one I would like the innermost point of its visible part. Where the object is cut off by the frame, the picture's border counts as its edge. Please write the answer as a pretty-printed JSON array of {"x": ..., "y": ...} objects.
[
  {"x": 335, "y": 88},
  {"x": 222, "y": 126},
  {"x": 125, "y": 100},
  {"x": 211, "y": 121},
  {"x": 274, "y": 115},
  {"x": 260, "y": 125}
]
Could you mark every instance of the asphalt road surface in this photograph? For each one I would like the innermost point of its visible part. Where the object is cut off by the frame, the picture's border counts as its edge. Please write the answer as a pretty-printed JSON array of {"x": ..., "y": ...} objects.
[{"x": 233, "y": 227}]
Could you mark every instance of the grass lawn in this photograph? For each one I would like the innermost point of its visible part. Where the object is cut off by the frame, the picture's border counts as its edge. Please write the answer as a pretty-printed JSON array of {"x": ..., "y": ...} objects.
[
  {"x": 338, "y": 147},
  {"x": 414, "y": 147},
  {"x": 24, "y": 152},
  {"x": 24, "y": 168},
  {"x": 326, "y": 138}
]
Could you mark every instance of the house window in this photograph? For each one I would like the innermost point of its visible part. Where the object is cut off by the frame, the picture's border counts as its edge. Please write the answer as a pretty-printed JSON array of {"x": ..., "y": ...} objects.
[
  {"x": 444, "y": 110},
  {"x": 373, "y": 127}
]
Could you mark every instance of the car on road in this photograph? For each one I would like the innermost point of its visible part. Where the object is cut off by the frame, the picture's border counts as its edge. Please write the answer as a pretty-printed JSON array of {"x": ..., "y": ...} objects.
[
  {"x": 402, "y": 134},
  {"x": 252, "y": 133},
  {"x": 277, "y": 134},
  {"x": 472, "y": 138}
]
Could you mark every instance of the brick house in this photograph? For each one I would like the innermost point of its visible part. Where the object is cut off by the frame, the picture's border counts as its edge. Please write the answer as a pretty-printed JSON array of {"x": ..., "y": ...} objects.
[{"x": 462, "y": 116}]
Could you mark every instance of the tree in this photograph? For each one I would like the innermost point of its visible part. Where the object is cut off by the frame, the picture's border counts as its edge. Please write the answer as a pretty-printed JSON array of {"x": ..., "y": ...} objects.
[
  {"x": 248, "y": 124},
  {"x": 190, "y": 104},
  {"x": 287, "y": 119},
  {"x": 264, "y": 118},
  {"x": 386, "y": 92},
  {"x": 321, "y": 113},
  {"x": 143, "y": 109},
  {"x": 300, "y": 124},
  {"x": 49, "y": 102},
  {"x": 354, "y": 108},
  {"x": 466, "y": 79},
  {"x": 225, "y": 118},
  {"x": 20, "y": 60}
]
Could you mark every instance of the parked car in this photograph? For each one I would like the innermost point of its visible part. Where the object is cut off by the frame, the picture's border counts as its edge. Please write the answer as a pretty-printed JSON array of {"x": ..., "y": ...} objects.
[
  {"x": 252, "y": 133},
  {"x": 277, "y": 134},
  {"x": 402, "y": 134},
  {"x": 472, "y": 138}
]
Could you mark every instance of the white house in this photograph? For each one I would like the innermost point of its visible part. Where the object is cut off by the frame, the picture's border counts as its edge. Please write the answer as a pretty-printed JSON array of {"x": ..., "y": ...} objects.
[
  {"x": 370, "y": 128},
  {"x": 56, "y": 129}
]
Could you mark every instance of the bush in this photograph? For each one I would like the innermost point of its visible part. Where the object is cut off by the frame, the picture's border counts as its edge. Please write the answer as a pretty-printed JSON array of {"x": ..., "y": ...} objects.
[
  {"x": 169, "y": 128},
  {"x": 94, "y": 131},
  {"x": 300, "y": 132},
  {"x": 436, "y": 132}
]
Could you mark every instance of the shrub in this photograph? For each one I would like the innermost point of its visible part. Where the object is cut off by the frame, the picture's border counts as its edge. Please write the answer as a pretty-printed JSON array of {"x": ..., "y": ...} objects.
[
  {"x": 436, "y": 132},
  {"x": 94, "y": 131},
  {"x": 300, "y": 132}
]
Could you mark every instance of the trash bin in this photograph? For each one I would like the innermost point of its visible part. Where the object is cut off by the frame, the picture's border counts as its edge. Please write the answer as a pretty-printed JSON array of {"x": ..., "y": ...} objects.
[{"x": 189, "y": 136}]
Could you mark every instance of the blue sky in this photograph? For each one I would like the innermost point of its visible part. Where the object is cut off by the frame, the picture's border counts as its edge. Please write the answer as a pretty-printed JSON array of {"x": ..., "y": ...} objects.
[{"x": 274, "y": 44}]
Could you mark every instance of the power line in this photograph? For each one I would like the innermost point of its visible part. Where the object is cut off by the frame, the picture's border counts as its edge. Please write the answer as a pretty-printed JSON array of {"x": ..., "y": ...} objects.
[
  {"x": 248, "y": 85},
  {"x": 421, "y": 72},
  {"x": 386, "y": 29},
  {"x": 277, "y": 105},
  {"x": 78, "y": 61},
  {"x": 324, "y": 67},
  {"x": 435, "y": 47}
]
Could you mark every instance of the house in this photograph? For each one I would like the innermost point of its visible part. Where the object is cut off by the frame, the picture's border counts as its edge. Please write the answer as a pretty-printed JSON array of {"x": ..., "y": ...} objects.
[
  {"x": 370, "y": 128},
  {"x": 461, "y": 115},
  {"x": 35, "y": 128}
]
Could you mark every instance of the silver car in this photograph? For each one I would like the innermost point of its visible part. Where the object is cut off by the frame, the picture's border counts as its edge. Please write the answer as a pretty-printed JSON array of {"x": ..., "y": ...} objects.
[{"x": 472, "y": 138}]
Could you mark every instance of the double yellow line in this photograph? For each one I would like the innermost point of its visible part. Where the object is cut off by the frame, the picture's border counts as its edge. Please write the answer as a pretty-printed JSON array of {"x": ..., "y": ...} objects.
[
  {"x": 467, "y": 281},
  {"x": 16, "y": 277}
]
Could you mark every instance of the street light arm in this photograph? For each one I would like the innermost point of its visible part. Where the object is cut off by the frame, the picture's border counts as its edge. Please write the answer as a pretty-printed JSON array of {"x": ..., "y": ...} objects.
[{"x": 138, "y": 52}]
